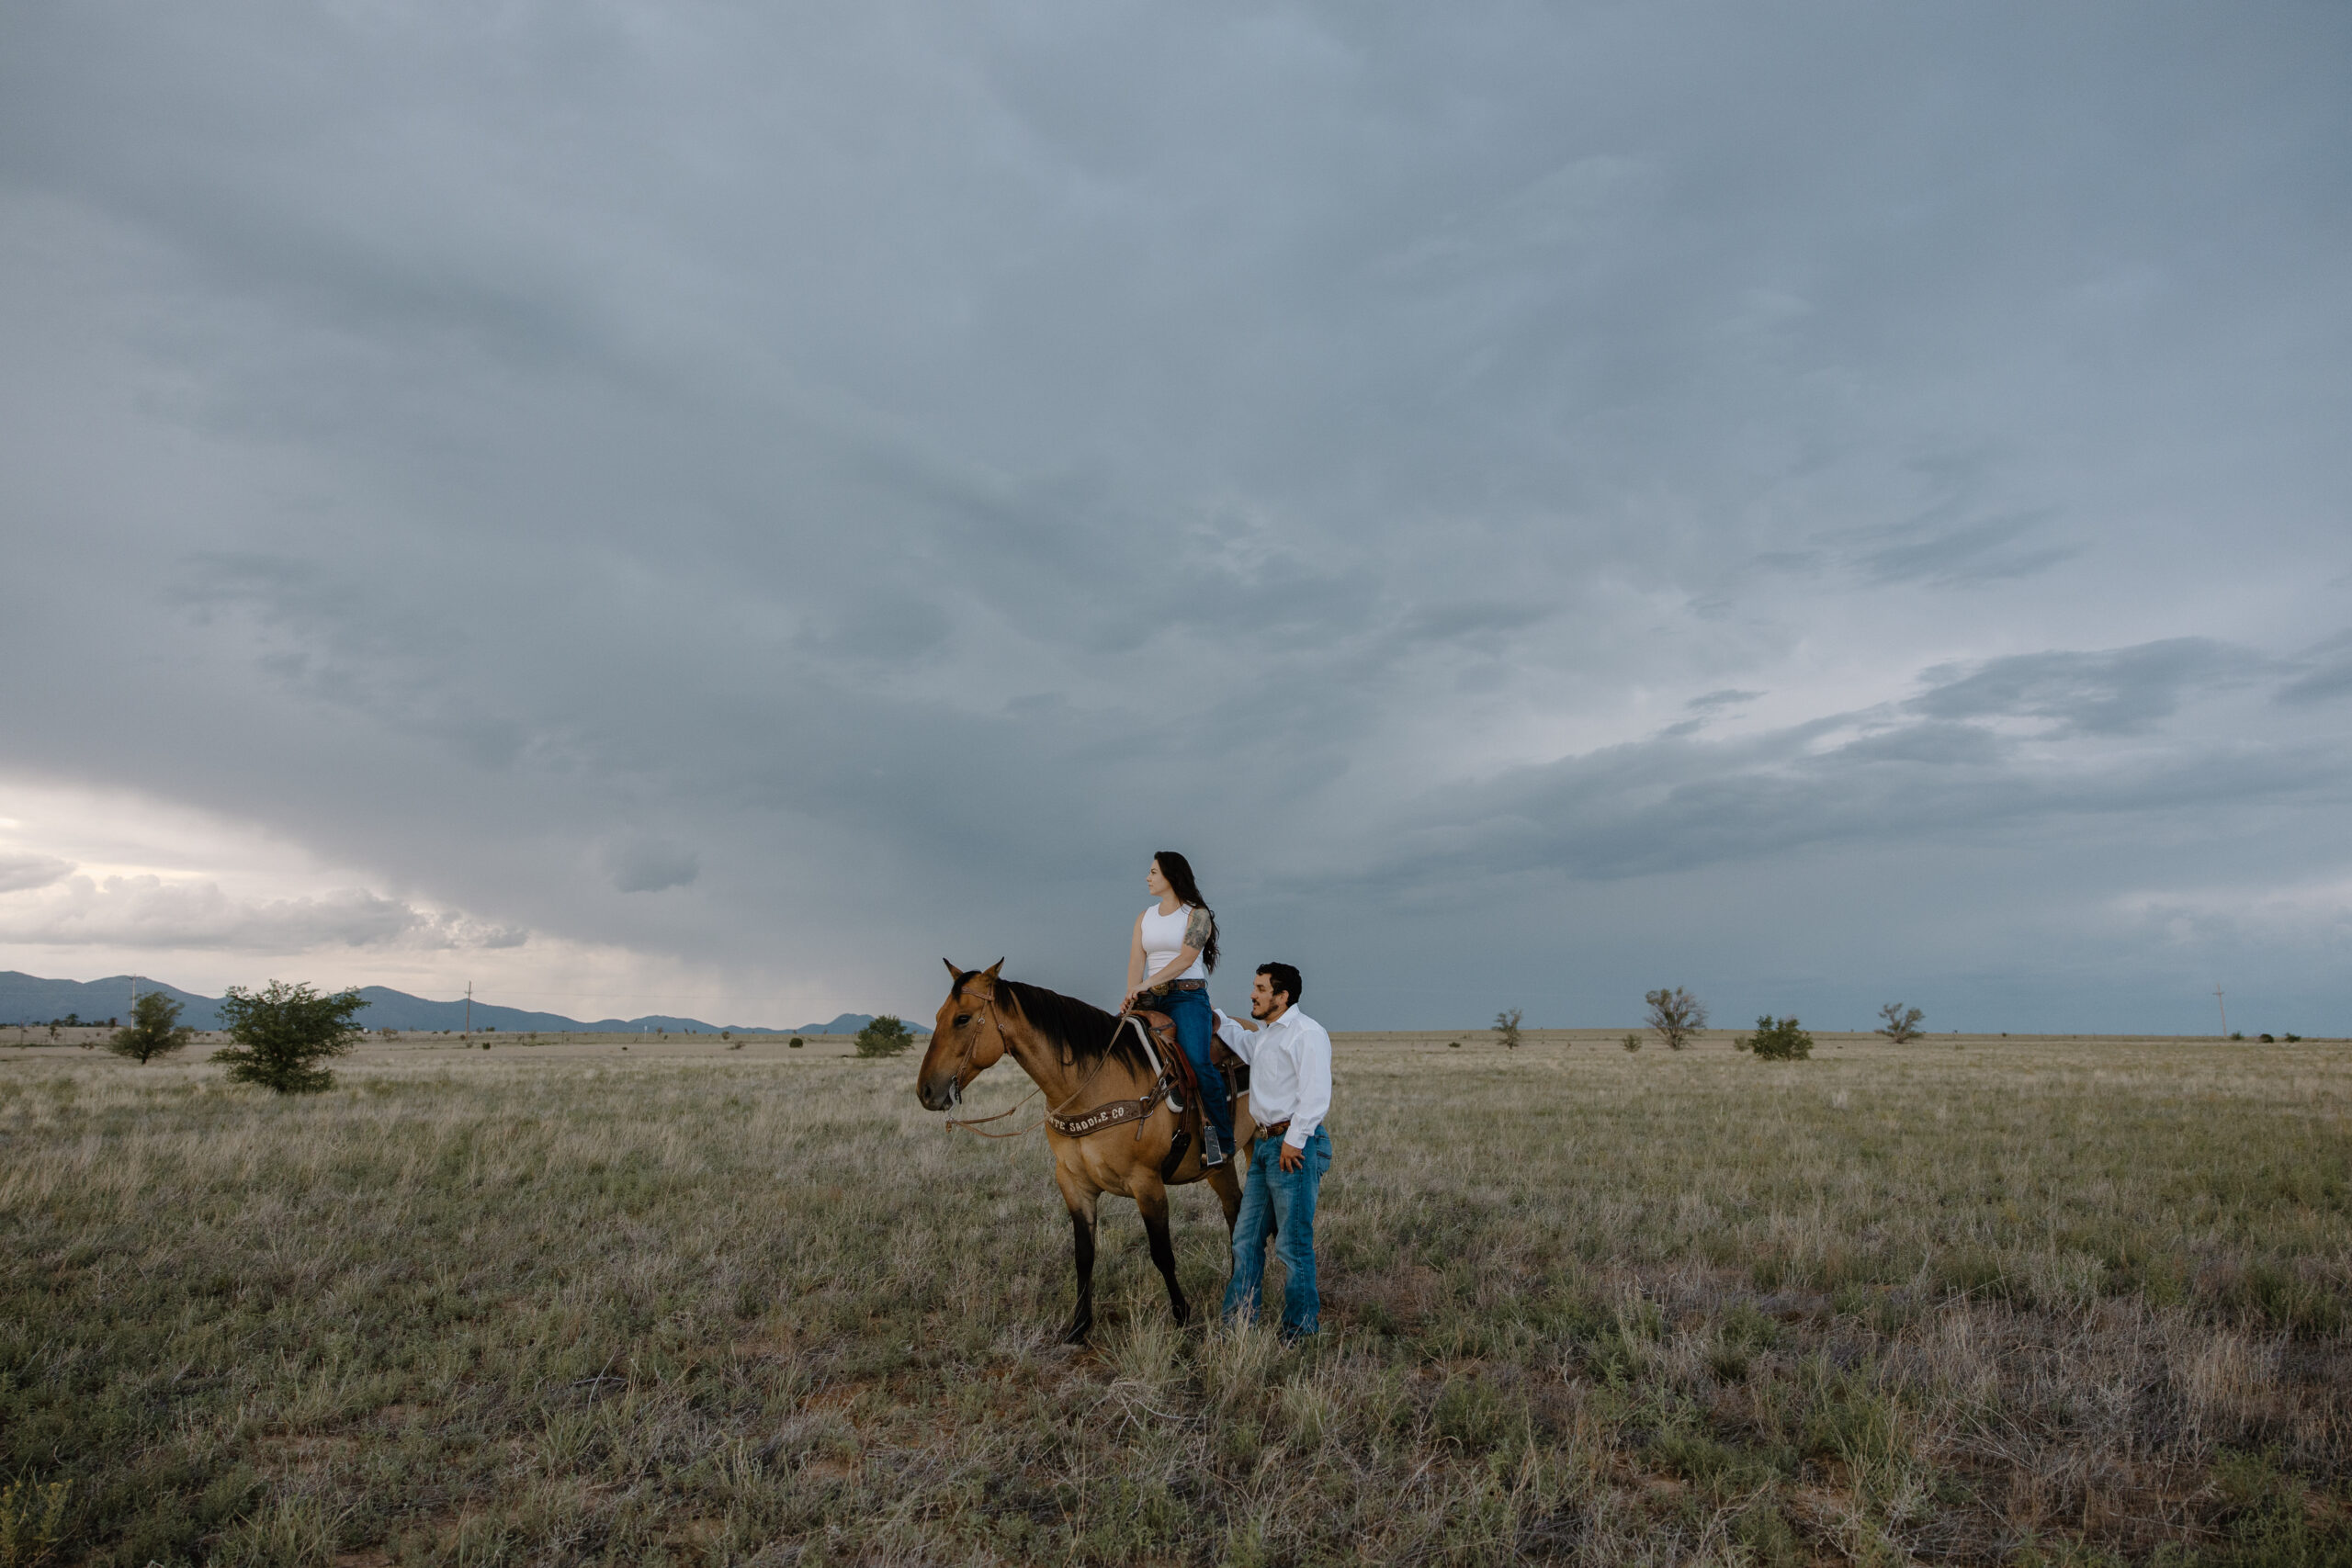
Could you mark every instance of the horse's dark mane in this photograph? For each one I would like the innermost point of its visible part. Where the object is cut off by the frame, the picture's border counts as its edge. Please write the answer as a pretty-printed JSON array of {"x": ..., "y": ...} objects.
[{"x": 1085, "y": 1029}]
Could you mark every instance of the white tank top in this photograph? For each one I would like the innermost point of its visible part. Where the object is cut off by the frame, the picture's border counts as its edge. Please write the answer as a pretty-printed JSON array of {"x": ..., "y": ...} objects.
[{"x": 1163, "y": 938}]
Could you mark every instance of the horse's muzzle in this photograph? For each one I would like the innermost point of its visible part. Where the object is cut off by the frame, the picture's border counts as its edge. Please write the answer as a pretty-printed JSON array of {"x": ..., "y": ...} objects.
[{"x": 940, "y": 1093}]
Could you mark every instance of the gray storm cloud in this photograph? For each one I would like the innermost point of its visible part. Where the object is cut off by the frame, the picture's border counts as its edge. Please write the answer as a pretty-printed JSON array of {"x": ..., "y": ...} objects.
[
  {"x": 1539, "y": 503},
  {"x": 651, "y": 866},
  {"x": 147, "y": 911}
]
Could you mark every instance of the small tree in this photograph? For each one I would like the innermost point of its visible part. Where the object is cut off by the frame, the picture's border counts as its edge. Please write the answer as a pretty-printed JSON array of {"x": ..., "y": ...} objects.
[
  {"x": 282, "y": 1035},
  {"x": 885, "y": 1037},
  {"x": 1631, "y": 1041},
  {"x": 794, "y": 1043},
  {"x": 1901, "y": 1024},
  {"x": 1507, "y": 1029},
  {"x": 155, "y": 1030},
  {"x": 1778, "y": 1040},
  {"x": 1677, "y": 1015}
]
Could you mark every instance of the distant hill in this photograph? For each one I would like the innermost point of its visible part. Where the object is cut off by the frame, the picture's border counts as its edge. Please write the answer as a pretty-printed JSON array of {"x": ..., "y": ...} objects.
[
  {"x": 29, "y": 998},
  {"x": 848, "y": 1024}
]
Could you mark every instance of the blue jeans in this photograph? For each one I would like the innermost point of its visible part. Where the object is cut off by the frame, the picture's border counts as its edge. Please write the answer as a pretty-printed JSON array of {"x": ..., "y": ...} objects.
[
  {"x": 1195, "y": 1029},
  {"x": 1287, "y": 1197}
]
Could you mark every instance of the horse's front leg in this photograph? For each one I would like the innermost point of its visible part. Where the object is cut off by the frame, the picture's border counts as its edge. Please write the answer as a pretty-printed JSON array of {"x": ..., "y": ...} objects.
[
  {"x": 1151, "y": 1202},
  {"x": 1080, "y": 1198}
]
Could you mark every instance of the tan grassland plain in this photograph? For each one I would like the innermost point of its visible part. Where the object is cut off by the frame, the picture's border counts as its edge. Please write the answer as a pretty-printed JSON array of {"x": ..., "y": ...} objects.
[{"x": 1969, "y": 1300}]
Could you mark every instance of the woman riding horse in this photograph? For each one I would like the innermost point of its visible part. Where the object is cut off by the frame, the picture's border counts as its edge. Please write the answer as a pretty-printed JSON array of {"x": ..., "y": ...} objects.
[{"x": 1169, "y": 963}]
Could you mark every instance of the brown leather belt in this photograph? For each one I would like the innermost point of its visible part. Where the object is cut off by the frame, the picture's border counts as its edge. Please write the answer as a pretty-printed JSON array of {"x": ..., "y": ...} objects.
[{"x": 1276, "y": 1131}]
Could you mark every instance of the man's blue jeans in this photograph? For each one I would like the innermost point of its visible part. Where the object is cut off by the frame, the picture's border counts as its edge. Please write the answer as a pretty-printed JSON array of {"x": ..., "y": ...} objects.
[
  {"x": 1195, "y": 1027},
  {"x": 1287, "y": 1197}
]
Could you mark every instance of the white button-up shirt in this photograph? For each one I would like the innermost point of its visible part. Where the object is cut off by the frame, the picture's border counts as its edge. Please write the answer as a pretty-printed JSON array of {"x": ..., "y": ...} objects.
[{"x": 1289, "y": 1071}]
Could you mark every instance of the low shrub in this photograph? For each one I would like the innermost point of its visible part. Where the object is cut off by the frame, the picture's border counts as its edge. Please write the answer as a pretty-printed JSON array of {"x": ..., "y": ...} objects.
[
  {"x": 1778, "y": 1040},
  {"x": 885, "y": 1037},
  {"x": 282, "y": 1035},
  {"x": 1631, "y": 1041}
]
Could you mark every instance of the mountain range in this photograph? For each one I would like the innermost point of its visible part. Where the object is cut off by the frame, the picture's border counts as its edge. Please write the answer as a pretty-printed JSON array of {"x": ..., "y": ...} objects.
[{"x": 29, "y": 998}]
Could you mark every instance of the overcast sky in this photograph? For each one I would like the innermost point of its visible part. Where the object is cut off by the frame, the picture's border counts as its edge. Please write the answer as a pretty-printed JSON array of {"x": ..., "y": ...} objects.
[{"x": 709, "y": 509}]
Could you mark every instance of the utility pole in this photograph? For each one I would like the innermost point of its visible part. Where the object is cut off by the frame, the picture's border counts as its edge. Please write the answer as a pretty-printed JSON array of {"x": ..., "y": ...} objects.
[{"x": 2224, "y": 1006}]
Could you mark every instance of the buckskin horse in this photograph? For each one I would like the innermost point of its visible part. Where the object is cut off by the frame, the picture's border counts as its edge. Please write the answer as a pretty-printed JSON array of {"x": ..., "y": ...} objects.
[{"x": 1110, "y": 1121}]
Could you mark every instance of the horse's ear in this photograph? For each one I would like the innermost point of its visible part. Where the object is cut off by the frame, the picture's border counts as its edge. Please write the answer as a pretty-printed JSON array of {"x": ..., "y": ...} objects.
[
  {"x": 952, "y": 973},
  {"x": 994, "y": 967}
]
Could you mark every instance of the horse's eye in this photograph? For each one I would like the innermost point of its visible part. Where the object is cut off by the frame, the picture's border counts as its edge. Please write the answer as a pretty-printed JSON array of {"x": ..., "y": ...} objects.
[{"x": 962, "y": 1018}]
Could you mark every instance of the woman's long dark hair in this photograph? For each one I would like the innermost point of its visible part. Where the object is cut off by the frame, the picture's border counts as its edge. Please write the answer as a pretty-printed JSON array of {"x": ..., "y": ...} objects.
[{"x": 1179, "y": 873}]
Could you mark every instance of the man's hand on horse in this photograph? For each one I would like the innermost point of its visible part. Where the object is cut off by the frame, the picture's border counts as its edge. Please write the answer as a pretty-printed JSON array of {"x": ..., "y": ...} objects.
[{"x": 1293, "y": 1158}]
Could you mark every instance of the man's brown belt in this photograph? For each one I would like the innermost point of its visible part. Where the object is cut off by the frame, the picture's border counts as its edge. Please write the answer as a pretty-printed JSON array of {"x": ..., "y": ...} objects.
[{"x": 1276, "y": 1131}]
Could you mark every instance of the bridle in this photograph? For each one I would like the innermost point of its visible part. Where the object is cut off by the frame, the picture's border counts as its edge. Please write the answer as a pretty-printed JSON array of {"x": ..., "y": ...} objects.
[{"x": 963, "y": 1059}]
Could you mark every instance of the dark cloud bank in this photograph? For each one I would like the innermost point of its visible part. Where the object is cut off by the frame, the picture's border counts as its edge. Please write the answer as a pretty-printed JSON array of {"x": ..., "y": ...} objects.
[{"x": 1817, "y": 504}]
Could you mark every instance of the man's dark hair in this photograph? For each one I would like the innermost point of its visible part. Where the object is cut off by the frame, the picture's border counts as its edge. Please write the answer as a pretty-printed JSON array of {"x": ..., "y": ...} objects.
[{"x": 1285, "y": 979}]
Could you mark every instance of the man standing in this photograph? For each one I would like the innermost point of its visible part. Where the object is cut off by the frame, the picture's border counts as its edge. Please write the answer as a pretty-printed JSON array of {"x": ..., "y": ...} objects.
[{"x": 1290, "y": 1093}]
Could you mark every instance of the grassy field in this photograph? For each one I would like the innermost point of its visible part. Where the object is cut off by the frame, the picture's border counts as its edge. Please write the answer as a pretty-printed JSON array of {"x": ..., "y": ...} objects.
[{"x": 1983, "y": 1300}]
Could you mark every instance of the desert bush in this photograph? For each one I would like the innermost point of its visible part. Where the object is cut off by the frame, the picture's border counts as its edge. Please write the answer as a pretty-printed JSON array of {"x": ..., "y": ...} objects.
[
  {"x": 1901, "y": 1024},
  {"x": 155, "y": 1030},
  {"x": 1631, "y": 1041},
  {"x": 283, "y": 1035},
  {"x": 885, "y": 1037},
  {"x": 1778, "y": 1040},
  {"x": 795, "y": 1042},
  {"x": 1677, "y": 1015},
  {"x": 1507, "y": 1029}
]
